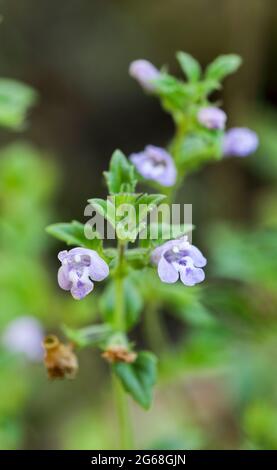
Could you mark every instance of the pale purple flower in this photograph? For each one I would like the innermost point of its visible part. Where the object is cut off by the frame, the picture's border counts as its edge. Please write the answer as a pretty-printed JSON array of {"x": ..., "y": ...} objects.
[
  {"x": 154, "y": 163},
  {"x": 240, "y": 142},
  {"x": 145, "y": 73},
  {"x": 80, "y": 267},
  {"x": 24, "y": 335},
  {"x": 178, "y": 258},
  {"x": 212, "y": 117}
]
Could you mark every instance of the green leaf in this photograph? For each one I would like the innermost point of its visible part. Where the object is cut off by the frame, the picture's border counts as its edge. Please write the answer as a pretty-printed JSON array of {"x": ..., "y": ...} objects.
[
  {"x": 15, "y": 99},
  {"x": 73, "y": 234},
  {"x": 117, "y": 211},
  {"x": 198, "y": 148},
  {"x": 121, "y": 175},
  {"x": 157, "y": 233},
  {"x": 88, "y": 336},
  {"x": 189, "y": 65},
  {"x": 137, "y": 258},
  {"x": 222, "y": 66},
  {"x": 174, "y": 93},
  {"x": 144, "y": 205},
  {"x": 133, "y": 303},
  {"x": 150, "y": 199},
  {"x": 139, "y": 377},
  {"x": 106, "y": 208}
]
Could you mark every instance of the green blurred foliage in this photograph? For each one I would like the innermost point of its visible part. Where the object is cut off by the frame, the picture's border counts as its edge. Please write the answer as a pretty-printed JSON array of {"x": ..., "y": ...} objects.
[{"x": 28, "y": 182}]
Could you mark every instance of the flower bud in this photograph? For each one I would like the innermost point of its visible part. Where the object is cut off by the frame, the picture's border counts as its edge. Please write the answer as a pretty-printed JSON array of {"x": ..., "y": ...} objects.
[
  {"x": 240, "y": 142},
  {"x": 145, "y": 73},
  {"x": 212, "y": 117}
]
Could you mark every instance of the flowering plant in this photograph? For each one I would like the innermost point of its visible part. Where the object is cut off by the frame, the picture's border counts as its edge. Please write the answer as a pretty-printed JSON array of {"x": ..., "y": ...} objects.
[{"x": 138, "y": 263}]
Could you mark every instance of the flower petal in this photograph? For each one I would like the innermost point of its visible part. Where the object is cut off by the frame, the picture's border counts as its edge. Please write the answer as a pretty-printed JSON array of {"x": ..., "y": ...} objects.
[
  {"x": 167, "y": 273},
  {"x": 80, "y": 289},
  {"x": 161, "y": 249},
  {"x": 63, "y": 279},
  {"x": 62, "y": 255},
  {"x": 191, "y": 276},
  {"x": 198, "y": 259},
  {"x": 98, "y": 269}
]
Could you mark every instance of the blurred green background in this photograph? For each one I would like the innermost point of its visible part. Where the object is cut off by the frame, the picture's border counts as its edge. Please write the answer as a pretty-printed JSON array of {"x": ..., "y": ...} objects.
[{"x": 217, "y": 382}]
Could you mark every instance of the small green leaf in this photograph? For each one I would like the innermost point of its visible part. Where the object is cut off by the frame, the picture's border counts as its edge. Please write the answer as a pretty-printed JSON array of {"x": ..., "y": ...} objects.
[
  {"x": 145, "y": 204},
  {"x": 121, "y": 175},
  {"x": 150, "y": 199},
  {"x": 189, "y": 65},
  {"x": 198, "y": 148},
  {"x": 88, "y": 336},
  {"x": 222, "y": 66},
  {"x": 132, "y": 303},
  {"x": 159, "y": 232},
  {"x": 137, "y": 258},
  {"x": 106, "y": 208},
  {"x": 174, "y": 93},
  {"x": 73, "y": 234},
  {"x": 139, "y": 377},
  {"x": 15, "y": 99}
]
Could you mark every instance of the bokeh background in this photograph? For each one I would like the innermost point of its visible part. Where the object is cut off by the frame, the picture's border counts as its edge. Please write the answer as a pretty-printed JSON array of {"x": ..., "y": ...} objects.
[{"x": 218, "y": 384}]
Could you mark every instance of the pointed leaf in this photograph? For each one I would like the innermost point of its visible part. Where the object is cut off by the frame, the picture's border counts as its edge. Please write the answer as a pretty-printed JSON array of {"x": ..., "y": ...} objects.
[
  {"x": 189, "y": 65},
  {"x": 139, "y": 377},
  {"x": 222, "y": 66},
  {"x": 121, "y": 175},
  {"x": 73, "y": 234}
]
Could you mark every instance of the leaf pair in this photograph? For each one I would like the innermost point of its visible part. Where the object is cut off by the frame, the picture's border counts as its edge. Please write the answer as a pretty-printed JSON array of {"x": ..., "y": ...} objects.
[{"x": 220, "y": 68}]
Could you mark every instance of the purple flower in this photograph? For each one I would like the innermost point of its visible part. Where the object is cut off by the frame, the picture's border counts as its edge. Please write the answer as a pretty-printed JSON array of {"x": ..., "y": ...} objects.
[
  {"x": 154, "y": 163},
  {"x": 240, "y": 142},
  {"x": 24, "y": 335},
  {"x": 80, "y": 267},
  {"x": 179, "y": 258},
  {"x": 212, "y": 117},
  {"x": 144, "y": 72}
]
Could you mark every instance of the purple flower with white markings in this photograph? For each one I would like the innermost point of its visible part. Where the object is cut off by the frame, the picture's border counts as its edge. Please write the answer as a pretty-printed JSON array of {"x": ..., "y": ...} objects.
[
  {"x": 212, "y": 117},
  {"x": 154, "y": 163},
  {"x": 178, "y": 258},
  {"x": 145, "y": 73},
  {"x": 240, "y": 142},
  {"x": 80, "y": 266},
  {"x": 24, "y": 335}
]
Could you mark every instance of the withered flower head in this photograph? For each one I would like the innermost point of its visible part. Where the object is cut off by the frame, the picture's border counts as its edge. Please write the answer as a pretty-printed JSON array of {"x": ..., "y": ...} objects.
[
  {"x": 117, "y": 353},
  {"x": 59, "y": 359}
]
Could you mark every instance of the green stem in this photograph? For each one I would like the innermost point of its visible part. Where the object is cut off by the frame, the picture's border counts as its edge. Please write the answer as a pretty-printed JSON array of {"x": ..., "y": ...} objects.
[
  {"x": 125, "y": 434},
  {"x": 125, "y": 431},
  {"x": 154, "y": 329}
]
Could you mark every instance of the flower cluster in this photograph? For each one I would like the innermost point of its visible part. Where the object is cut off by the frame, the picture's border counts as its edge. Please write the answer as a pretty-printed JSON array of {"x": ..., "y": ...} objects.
[
  {"x": 200, "y": 137},
  {"x": 238, "y": 142}
]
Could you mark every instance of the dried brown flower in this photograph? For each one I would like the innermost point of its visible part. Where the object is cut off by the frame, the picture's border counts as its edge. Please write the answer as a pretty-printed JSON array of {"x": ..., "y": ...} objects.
[
  {"x": 59, "y": 359},
  {"x": 117, "y": 353}
]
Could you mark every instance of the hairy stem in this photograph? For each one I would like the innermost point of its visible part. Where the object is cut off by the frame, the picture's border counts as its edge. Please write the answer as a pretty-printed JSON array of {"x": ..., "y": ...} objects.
[{"x": 125, "y": 431}]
